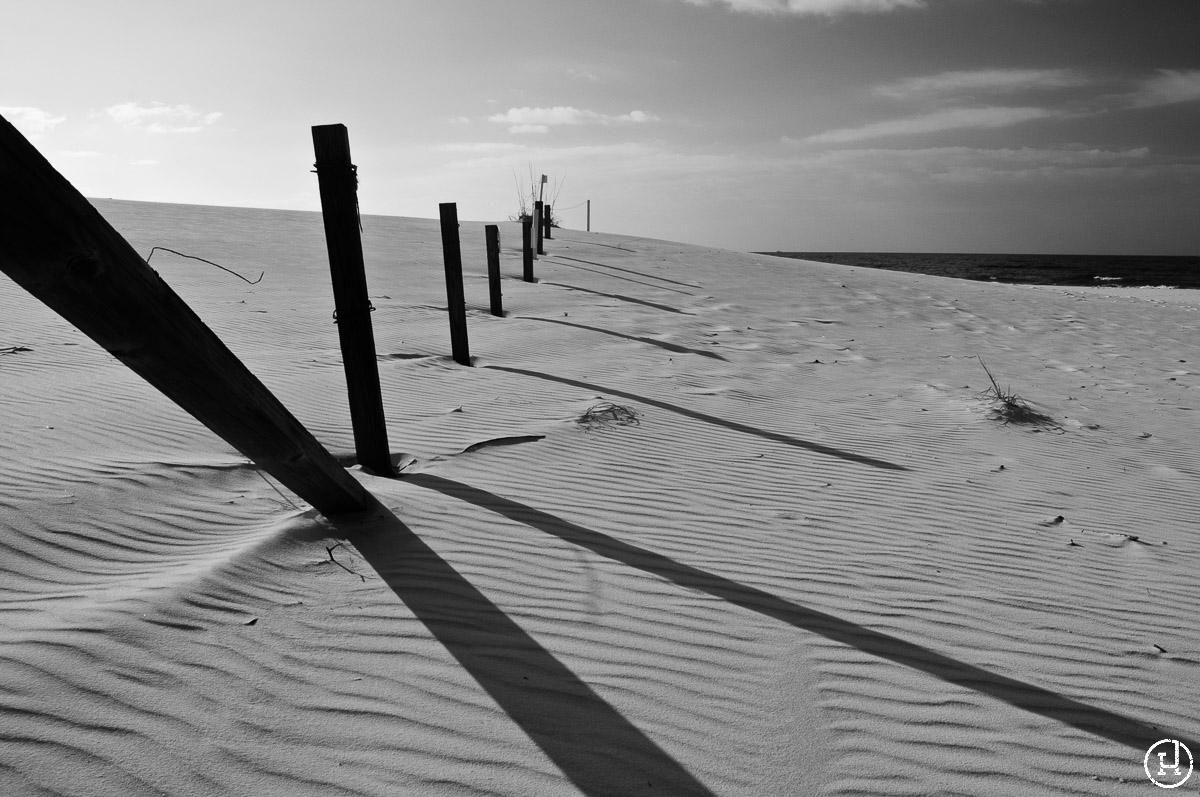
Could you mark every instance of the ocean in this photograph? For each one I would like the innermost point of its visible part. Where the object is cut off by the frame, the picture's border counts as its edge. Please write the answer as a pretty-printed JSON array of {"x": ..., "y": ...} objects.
[{"x": 1124, "y": 270}]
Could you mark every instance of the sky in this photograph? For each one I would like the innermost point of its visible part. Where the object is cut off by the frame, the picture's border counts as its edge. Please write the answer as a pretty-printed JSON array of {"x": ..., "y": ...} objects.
[{"x": 1039, "y": 126}]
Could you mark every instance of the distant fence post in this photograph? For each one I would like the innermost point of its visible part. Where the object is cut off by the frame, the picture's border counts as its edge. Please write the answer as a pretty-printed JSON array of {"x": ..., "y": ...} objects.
[
  {"x": 527, "y": 249},
  {"x": 538, "y": 211},
  {"x": 452, "y": 255},
  {"x": 337, "y": 178},
  {"x": 55, "y": 245},
  {"x": 549, "y": 218},
  {"x": 491, "y": 233},
  {"x": 589, "y": 215}
]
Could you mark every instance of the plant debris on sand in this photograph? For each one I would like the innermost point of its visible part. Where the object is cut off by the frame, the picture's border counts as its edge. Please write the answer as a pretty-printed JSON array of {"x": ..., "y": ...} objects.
[
  {"x": 606, "y": 414},
  {"x": 1010, "y": 407}
]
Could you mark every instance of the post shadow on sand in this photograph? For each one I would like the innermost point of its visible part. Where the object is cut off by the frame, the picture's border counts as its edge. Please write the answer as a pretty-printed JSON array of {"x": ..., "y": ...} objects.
[
  {"x": 618, "y": 297},
  {"x": 701, "y": 416},
  {"x": 596, "y": 748},
  {"x": 618, "y": 277},
  {"x": 651, "y": 341},
  {"x": 1027, "y": 697}
]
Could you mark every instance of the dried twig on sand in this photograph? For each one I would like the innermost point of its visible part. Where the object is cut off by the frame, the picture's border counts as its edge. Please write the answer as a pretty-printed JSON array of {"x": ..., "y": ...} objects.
[
  {"x": 606, "y": 414},
  {"x": 1010, "y": 407}
]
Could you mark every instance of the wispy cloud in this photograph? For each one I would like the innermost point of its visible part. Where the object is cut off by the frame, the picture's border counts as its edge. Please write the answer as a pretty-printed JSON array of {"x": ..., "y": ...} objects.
[
  {"x": 31, "y": 121},
  {"x": 1168, "y": 87},
  {"x": 938, "y": 121},
  {"x": 980, "y": 81},
  {"x": 540, "y": 120},
  {"x": 160, "y": 118},
  {"x": 825, "y": 8}
]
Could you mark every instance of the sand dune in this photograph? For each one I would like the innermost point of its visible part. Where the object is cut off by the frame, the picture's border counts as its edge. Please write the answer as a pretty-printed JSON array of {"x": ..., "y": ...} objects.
[{"x": 811, "y": 561}]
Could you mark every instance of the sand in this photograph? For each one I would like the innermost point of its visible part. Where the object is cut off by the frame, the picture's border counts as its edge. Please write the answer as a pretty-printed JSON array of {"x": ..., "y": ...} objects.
[{"x": 808, "y": 560}]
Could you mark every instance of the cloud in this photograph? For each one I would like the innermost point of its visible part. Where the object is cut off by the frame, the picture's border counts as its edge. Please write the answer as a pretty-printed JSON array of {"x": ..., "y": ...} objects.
[
  {"x": 160, "y": 118},
  {"x": 540, "y": 120},
  {"x": 1169, "y": 87},
  {"x": 938, "y": 121},
  {"x": 458, "y": 120},
  {"x": 80, "y": 153},
  {"x": 827, "y": 8},
  {"x": 31, "y": 121},
  {"x": 992, "y": 81}
]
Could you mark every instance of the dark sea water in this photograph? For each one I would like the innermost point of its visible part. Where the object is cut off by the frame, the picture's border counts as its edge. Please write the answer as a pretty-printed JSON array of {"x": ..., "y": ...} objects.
[{"x": 1125, "y": 270}]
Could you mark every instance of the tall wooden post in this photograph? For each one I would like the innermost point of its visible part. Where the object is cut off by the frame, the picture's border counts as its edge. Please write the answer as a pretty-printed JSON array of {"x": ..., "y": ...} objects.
[
  {"x": 491, "y": 234},
  {"x": 589, "y": 215},
  {"x": 527, "y": 249},
  {"x": 539, "y": 219},
  {"x": 452, "y": 255},
  {"x": 337, "y": 178},
  {"x": 549, "y": 216},
  {"x": 55, "y": 245}
]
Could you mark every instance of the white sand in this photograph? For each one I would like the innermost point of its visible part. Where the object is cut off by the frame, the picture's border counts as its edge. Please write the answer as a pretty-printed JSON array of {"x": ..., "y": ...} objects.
[{"x": 815, "y": 566}]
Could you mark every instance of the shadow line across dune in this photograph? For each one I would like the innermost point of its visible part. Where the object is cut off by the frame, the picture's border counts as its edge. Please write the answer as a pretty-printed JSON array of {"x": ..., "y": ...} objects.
[
  {"x": 617, "y": 296},
  {"x": 1028, "y": 697},
  {"x": 701, "y": 416},
  {"x": 618, "y": 276},
  {"x": 600, "y": 751},
  {"x": 651, "y": 341}
]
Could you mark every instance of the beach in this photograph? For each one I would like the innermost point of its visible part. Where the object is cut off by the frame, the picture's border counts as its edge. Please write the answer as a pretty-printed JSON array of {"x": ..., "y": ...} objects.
[{"x": 694, "y": 522}]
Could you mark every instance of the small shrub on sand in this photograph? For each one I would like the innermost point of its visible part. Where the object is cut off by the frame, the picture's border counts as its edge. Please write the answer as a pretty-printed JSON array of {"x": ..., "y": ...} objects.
[
  {"x": 1010, "y": 407},
  {"x": 607, "y": 414}
]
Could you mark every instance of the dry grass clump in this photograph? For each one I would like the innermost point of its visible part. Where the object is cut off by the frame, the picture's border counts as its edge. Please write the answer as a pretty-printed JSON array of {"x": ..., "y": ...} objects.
[
  {"x": 1010, "y": 407},
  {"x": 606, "y": 414}
]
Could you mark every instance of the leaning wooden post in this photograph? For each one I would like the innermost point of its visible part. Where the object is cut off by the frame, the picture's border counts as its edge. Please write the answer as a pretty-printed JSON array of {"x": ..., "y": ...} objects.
[
  {"x": 491, "y": 233},
  {"x": 549, "y": 216},
  {"x": 337, "y": 178},
  {"x": 538, "y": 219},
  {"x": 55, "y": 245},
  {"x": 452, "y": 255},
  {"x": 527, "y": 249}
]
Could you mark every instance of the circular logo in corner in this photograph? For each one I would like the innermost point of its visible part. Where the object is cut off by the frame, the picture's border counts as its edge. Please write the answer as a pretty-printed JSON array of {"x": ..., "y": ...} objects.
[{"x": 1168, "y": 763}]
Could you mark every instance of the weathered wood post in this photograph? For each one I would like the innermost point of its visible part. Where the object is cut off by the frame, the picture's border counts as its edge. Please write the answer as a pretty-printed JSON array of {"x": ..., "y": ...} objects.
[
  {"x": 549, "y": 216},
  {"x": 452, "y": 255},
  {"x": 337, "y": 179},
  {"x": 589, "y": 215},
  {"x": 58, "y": 247},
  {"x": 538, "y": 215},
  {"x": 527, "y": 249},
  {"x": 491, "y": 233}
]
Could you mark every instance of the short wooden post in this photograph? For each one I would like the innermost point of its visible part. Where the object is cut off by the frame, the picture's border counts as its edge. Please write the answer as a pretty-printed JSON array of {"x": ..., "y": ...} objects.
[
  {"x": 337, "y": 179},
  {"x": 549, "y": 217},
  {"x": 539, "y": 220},
  {"x": 452, "y": 255},
  {"x": 491, "y": 234},
  {"x": 527, "y": 249},
  {"x": 589, "y": 215},
  {"x": 55, "y": 245}
]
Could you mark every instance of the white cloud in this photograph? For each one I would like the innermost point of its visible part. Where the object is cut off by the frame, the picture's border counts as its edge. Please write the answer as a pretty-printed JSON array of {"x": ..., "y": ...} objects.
[
  {"x": 458, "y": 120},
  {"x": 827, "y": 8},
  {"x": 994, "y": 81},
  {"x": 478, "y": 147},
  {"x": 540, "y": 120},
  {"x": 31, "y": 121},
  {"x": 144, "y": 162},
  {"x": 1169, "y": 87},
  {"x": 160, "y": 118},
  {"x": 949, "y": 119}
]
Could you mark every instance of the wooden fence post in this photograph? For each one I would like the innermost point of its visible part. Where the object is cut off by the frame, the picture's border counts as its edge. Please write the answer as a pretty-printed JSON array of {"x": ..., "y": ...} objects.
[
  {"x": 527, "y": 249},
  {"x": 549, "y": 218},
  {"x": 452, "y": 255},
  {"x": 491, "y": 234},
  {"x": 55, "y": 245},
  {"x": 337, "y": 179},
  {"x": 538, "y": 216},
  {"x": 589, "y": 215}
]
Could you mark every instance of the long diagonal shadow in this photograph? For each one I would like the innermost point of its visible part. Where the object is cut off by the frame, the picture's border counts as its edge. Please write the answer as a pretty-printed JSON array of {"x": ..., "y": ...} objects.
[
  {"x": 1101, "y": 722},
  {"x": 700, "y": 416},
  {"x": 626, "y": 279},
  {"x": 675, "y": 347},
  {"x": 597, "y": 748},
  {"x": 617, "y": 296},
  {"x": 626, "y": 270}
]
